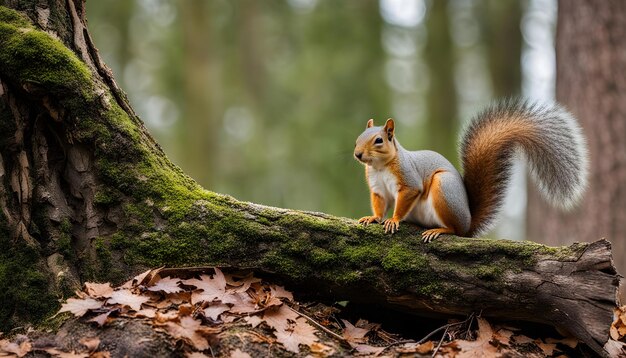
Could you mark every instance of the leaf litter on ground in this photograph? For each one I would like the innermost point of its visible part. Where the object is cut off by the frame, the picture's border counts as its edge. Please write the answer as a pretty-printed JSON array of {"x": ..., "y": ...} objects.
[{"x": 194, "y": 305}]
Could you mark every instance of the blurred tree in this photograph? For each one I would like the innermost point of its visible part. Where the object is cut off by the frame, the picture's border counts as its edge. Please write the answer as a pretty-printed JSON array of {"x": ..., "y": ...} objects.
[
  {"x": 199, "y": 126},
  {"x": 591, "y": 82},
  {"x": 503, "y": 39},
  {"x": 442, "y": 99}
]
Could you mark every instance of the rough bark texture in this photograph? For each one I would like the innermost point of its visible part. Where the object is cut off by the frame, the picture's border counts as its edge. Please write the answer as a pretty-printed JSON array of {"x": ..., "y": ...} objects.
[
  {"x": 591, "y": 82},
  {"x": 86, "y": 194}
]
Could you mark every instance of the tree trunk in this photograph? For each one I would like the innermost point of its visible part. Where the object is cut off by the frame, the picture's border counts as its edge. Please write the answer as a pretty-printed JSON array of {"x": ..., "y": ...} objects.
[
  {"x": 591, "y": 82},
  {"x": 86, "y": 194}
]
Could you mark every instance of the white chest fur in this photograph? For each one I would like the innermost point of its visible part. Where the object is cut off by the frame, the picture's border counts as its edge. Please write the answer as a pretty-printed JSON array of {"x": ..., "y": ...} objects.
[{"x": 384, "y": 183}]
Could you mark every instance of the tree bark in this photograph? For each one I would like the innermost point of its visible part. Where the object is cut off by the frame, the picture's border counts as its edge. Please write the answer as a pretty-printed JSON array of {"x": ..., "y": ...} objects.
[
  {"x": 86, "y": 194},
  {"x": 591, "y": 83}
]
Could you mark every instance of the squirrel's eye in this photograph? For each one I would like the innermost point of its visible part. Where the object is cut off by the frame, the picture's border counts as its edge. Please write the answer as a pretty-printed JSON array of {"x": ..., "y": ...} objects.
[{"x": 378, "y": 140}]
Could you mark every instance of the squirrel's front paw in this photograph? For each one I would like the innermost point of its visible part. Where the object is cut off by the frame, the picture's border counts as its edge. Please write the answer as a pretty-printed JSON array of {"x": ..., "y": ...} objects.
[
  {"x": 391, "y": 225},
  {"x": 366, "y": 220}
]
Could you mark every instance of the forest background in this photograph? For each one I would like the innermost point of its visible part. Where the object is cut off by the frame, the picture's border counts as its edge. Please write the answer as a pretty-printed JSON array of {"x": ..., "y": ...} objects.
[{"x": 263, "y": 100}]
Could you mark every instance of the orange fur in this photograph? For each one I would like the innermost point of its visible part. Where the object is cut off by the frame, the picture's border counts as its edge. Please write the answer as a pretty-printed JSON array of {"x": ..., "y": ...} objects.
[
  {"x": 442, "y": 209},
  {"x": 483, "y": 169}
]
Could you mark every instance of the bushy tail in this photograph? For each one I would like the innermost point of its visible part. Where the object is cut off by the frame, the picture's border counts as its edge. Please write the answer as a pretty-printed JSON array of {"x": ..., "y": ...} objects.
[{"x": 547, "y": 135}]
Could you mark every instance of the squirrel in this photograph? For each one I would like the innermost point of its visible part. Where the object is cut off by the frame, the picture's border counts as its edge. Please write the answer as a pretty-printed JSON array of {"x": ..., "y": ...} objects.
[{"x": 424, "y": 188}]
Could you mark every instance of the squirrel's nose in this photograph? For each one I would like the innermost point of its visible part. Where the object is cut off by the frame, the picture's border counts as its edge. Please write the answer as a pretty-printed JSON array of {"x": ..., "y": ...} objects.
[{"x": 358, "y": 155}]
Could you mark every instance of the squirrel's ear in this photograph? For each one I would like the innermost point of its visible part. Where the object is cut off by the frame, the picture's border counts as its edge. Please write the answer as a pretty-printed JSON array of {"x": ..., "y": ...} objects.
[
  {"x": 389, "y": 127},
  {"x": 370, "y": 123}
]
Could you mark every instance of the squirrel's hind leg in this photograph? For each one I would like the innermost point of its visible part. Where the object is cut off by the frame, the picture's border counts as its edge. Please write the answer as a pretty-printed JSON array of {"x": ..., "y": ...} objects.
[{"x": 449, "y": 202}]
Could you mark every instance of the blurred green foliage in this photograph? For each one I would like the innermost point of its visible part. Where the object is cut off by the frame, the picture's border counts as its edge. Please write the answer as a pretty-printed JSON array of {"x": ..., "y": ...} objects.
[{"x": 263, "y": 99}]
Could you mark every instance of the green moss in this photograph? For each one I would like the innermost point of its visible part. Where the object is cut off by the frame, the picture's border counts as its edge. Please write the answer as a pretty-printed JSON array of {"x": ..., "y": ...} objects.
[
  {"x": 400, "y": 258},
  {"x": 106, "y": 196},
  {"x": 13, "y": 17},
  {"x": 35, "y": 57},
  {"x": 23, "y": 284}
]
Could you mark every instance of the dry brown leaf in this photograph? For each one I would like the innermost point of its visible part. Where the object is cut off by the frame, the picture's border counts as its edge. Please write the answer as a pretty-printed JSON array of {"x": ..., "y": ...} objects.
[
  {"x": 98, "y": 289},
  {"x": 280, "y": 292},
  {"x": 91, "y": 343},
  {"x": 146, "y": 312},
  {"x": 480, "y": 347},
  {"x": 167, "y": 285},
  {"x": 547, "y": 348},
  {"x": 569, "y": 341},
  {"x": 196, "y": 355},
  {"x": 243, "y": 284},
  {"x": 614, "y": 333},
  {"x": 615, "y": 348},
  {"x": 300, "y": 333},
  {"x": 161, "y": 317},
  {"x": 19, "y": 350},
  {"x": 136, "y": 280},
  {"x": 101, "y": 354},
  {"x": 242, "y": 303},
  {"x": 522, "y": 339},
  {"x": 215, "y": 310},
  {"x": 503, "y": 336},
  {"x": 60, "y": 354},
  {"x": 185, "y": 310},
  {"x": 279, "y": 318},
  {"x": 354, "y": 334},
  {"x": 187, "y": 330},
  {"x": 127, "y": 298},
  {"x": 101, "y": 319},
  {"x": 253, "y": 320},
  {"x": 80, "y": 306},
  {"x": 321, "y": 350},
  {"x": 423, "y": 348},
  {"x": 367, "y": 349},
  {"x": 237, "y": 353},
  {"x": 213, "y": 288}
]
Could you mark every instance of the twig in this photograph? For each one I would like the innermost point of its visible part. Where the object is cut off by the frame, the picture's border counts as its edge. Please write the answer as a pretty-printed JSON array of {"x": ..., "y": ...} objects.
[
  {"x": 440, "y": 342},
  {"x": 446, "y": 326},
  {"x": 328, "y": 331},
  {"x": 396, "y": 343}
]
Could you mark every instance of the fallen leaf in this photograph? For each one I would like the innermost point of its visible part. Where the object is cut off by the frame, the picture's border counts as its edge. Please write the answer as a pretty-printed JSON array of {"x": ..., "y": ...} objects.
[
  {"x": 187, "y": 330},
  {"x": 213, "y": 288},
  {"x": 367, "y": 349},
  {"x": 91, "y": 343},
  {"x": 280, "y": 292},
  {"x": 136, "y": 280},
  {"x": 167, "y": 285},
  {"x": 354, "y": 334},
  {"x": 215, "y": 310},
  {"x": 615, "y": 348},
  {"x": 80, "y": 306},
  {"x": 19, "y": 350},
  {"x": 102, "y": 318},
  {"x": 127, "y": 298},
  {"x": 480, "y": 347},
  {"x": 278, "y": 318},
  {"x": 503, "y": 336},
  {"x": 98, "y": 289},
  {"x": 521, "y": 339},
  {"x": 321, "y": 350},
  {"x": 101, "y": 354},
  {"x": 196, "y": 355},
  {"x": 60, "y": 354},
  {"x": 547, "y": 348},
  {"x": 237, "y": 353},
  {"x": 243, "y": 284},
  {"x": 300, "y": 333},
  {"x": 569, "y": 341},
  {"x": 423, "y": 348},
  {"x": 242, "y": 303}
]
